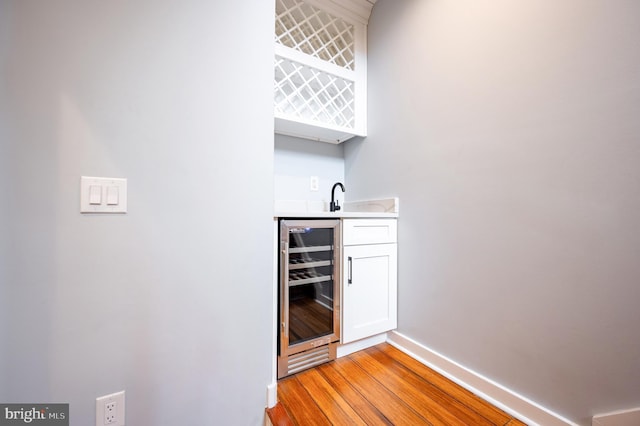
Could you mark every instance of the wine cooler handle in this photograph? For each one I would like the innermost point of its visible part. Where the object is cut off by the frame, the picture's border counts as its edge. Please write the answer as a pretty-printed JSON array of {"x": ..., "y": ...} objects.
[
  {"x": 350, "y": 277},
  {"x": 284, "y": 286}
]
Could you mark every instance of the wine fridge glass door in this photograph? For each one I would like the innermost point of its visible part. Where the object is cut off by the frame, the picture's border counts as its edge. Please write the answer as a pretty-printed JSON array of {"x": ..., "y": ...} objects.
[{"x": 309, "y": 287}]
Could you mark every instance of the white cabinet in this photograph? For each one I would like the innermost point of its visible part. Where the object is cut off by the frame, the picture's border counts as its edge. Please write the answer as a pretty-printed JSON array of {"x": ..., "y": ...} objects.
[
  {"x": 370, "y": 278},
  {"x": 320, "y": 83}
]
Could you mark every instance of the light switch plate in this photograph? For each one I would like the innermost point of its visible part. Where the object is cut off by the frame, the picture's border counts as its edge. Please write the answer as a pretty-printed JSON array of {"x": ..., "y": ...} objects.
[{"x": 106, "y": 202}]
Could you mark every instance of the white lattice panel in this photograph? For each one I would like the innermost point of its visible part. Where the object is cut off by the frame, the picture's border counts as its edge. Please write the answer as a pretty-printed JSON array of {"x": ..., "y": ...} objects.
[
  {"x": 315, "y": 32},
  {"x": 311, "y": 94}
]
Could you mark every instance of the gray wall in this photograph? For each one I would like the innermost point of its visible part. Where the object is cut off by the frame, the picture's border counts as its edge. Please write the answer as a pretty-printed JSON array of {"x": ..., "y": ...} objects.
[
  {"x": 4, "y": 187},
  {"x": 510, "y": 132},
  {"x": 171, "y": 301},
  {"x": 296, "y": 160}
]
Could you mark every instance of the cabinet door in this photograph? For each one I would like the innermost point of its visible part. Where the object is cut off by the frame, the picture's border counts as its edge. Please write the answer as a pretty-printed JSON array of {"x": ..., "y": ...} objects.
[{"x": 370, "y": 284}]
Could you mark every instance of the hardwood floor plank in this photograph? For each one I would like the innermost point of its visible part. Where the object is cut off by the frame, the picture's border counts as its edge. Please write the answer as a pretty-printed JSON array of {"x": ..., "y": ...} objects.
[
  {"x": 441, "y": 397},
  {"x": 293, "y": 395},
  {"x": 429, "y": 401},
  {"x": 382, "y": 386},
  {"x": 279, "y": 416},
  {"x": 392, "y": 407},
  {"x": 332, "y": 404},
  {"x": 466, "y": 397},
  {"x": 365, "y": 409}
]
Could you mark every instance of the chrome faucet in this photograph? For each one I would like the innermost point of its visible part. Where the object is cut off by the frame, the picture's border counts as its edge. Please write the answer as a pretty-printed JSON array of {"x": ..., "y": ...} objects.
[{"x": 334, "y": 207}]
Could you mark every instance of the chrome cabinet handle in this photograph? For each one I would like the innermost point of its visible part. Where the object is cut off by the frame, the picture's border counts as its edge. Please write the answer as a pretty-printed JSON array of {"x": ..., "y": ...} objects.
[{"x": 350, "y": 278}]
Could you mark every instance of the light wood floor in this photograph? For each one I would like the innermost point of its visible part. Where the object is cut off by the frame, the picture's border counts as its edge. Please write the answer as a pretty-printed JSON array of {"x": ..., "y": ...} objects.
[{"x": 382, "y": 386}]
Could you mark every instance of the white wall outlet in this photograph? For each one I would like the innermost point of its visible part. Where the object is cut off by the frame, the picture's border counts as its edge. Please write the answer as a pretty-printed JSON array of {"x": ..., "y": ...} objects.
[
  {"x": 314, "y": 183},
  {"x": 110, "y": 410}
]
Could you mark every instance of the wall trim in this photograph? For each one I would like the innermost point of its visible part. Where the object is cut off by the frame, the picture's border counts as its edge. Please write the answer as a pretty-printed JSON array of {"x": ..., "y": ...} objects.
[
  {"x": 272, "y": 394},
  {"x": 272, "y": 388},
  {"x": 358, "y": 345},
  {"x": 618, "y": 418},
  {"x": 511, "y": 402}
]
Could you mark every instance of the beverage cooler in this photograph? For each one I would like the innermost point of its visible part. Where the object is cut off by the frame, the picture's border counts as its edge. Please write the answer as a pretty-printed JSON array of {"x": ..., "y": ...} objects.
[{"x": 308, "y": 293}]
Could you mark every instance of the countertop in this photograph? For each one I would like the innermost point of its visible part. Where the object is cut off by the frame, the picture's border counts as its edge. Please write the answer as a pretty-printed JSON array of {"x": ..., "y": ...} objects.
[
  {"x": 382, "y": 208},
  {"x": 337, "y": 215}
]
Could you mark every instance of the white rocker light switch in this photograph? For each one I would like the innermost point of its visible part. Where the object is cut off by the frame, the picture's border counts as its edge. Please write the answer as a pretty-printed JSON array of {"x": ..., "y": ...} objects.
[{"x": 103, "y": 195}]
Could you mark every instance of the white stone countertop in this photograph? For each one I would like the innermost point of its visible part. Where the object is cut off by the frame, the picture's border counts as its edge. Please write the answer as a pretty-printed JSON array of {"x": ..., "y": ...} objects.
[
  {"x": 384, "y": 208},
  {"x": 338, "y": 215}
]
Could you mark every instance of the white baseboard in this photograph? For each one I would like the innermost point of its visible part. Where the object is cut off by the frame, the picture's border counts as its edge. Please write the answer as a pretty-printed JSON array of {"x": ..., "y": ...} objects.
[
  {"x": 498, "y": 395},
  {"x": 618, "y": 418},
  {"x": 349, "y": 348},
  {"x": 272, "y": 395}
]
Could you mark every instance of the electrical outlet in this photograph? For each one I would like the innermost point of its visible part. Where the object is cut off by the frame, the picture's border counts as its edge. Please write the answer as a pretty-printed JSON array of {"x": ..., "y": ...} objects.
[
  {"x": 314, "y": 183},
  {"x": 110, "y": 410}
]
